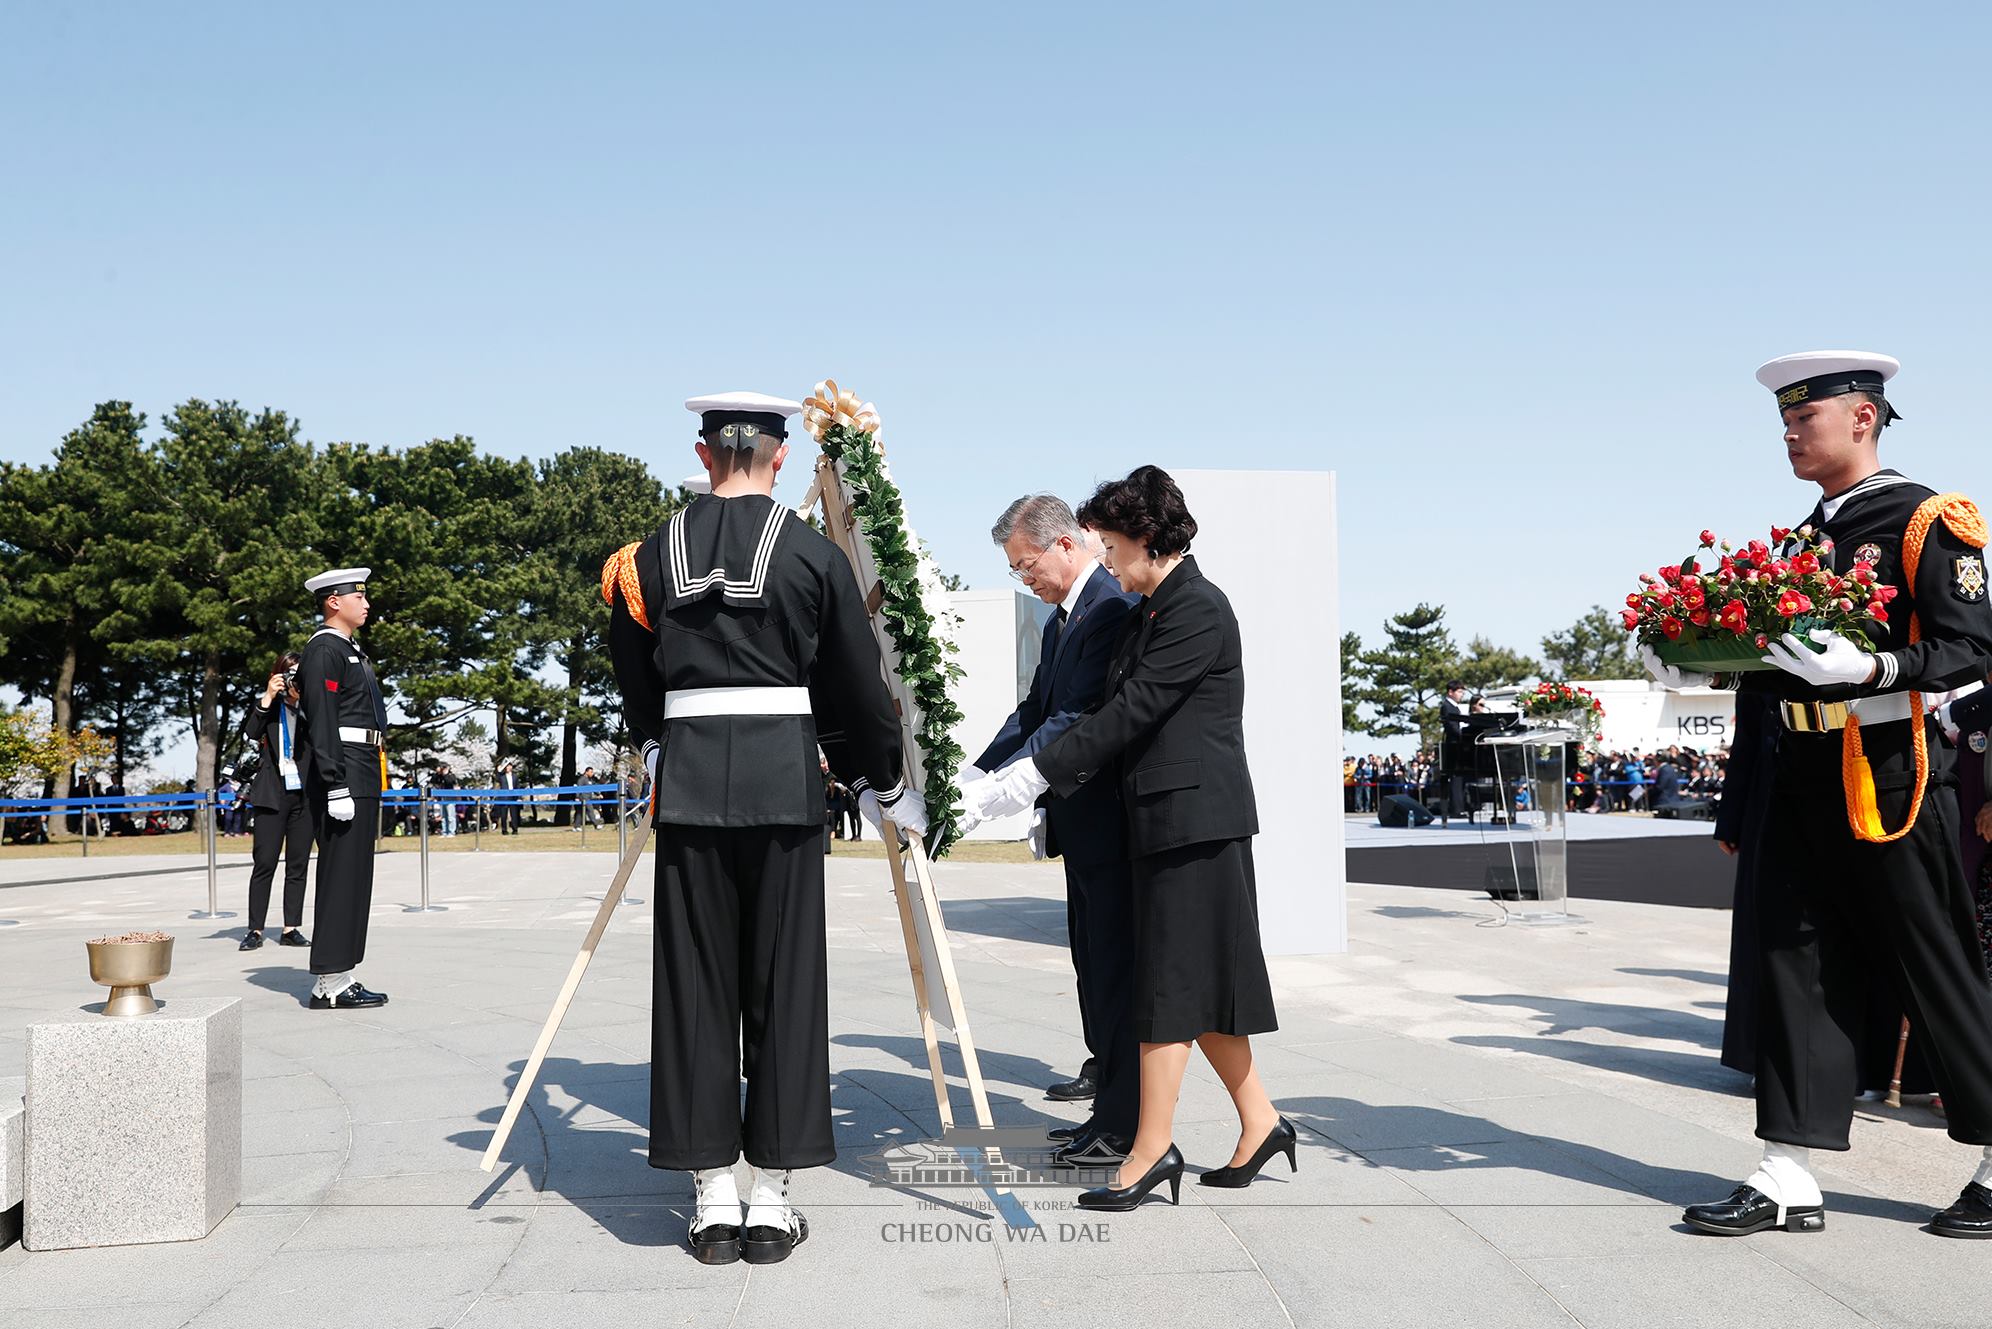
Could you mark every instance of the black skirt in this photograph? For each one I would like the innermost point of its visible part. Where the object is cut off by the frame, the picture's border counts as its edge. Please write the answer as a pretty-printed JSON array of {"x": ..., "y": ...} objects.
[{"x": 1199, "y": 967}]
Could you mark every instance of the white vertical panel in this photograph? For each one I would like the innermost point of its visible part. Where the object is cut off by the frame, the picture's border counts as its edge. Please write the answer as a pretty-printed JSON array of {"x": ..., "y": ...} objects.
[
  {"x": 1000, "y": 636},
  {"x": 1267, "y": 538}
]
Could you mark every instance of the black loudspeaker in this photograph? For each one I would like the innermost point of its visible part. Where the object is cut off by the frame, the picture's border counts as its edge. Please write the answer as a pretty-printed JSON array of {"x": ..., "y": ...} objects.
[
  {"x": 1502, "y": 883},
  {"x": 1685, "y": 809},
  {"x": 1401, "y": 811}
]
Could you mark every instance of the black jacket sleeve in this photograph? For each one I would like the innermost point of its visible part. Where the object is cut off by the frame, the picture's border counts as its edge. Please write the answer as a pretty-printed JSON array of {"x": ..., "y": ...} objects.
[
  {"x": 1956, "y": 645},
  {"x": 633, "y": 650},
  {"x": 1973, "y": 714},
  {"x": 848, "y": 691},
  {"x": 1181, "y": 648},
  {"x": 319, "y": 678},
  {"x": 256, "y": 720}
]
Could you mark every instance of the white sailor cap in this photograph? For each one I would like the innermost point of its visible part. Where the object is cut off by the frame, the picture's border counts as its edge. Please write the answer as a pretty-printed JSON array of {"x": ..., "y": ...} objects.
[
  {"x": 339, "y": 581},
  {"x": 1811, "y": 375},
  {"x": 751, "y": 408}
]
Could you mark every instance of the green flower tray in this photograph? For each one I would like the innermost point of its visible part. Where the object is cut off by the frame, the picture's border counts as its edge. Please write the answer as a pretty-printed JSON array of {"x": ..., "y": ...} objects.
[{"x": 1726, "y": 654}]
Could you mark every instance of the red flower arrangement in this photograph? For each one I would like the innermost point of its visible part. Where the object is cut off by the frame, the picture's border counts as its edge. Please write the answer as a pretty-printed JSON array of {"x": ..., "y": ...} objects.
[
  {"x": 1551, "y": 699},
  {"x": 1722, "y": 618}
]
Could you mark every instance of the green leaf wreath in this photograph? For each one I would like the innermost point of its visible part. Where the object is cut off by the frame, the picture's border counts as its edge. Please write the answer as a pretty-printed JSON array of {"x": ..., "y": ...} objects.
[{"x": 918, "y": 618}]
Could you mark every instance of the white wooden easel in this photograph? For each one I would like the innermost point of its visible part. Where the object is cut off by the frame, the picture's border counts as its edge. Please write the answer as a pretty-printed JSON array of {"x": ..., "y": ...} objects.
[{"x": 936, "y": 991}]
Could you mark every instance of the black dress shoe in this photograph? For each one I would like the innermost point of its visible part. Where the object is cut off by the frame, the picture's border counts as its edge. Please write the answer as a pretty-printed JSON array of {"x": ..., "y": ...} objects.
[
  {"x": 1070, "y": 1132},
  {"x": 1749, "y": 1210},
  {"x": 1095, "y": 1149},
  {"x": 1167, "y": 1168},
  {"x": 1971, "y": 1216},
  {"x": 762, "y": 1244},
  {"x": 354, "y": 998},
  {"x": 252, "y": 942},
  {"x": 292, "y": 937},
  {"x": 717, "y": 1243},
  {"x": 1280, "y": 1140},
  {"x": 1077, "y": 1089}
]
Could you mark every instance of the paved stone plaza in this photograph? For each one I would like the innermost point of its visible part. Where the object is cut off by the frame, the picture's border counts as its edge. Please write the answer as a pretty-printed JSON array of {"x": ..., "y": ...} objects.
[{"x": 1499, "y": 1126}]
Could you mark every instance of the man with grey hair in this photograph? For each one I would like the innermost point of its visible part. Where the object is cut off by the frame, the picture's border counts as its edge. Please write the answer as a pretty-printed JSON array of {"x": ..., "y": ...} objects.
[{"x": 1048, "y": 551}]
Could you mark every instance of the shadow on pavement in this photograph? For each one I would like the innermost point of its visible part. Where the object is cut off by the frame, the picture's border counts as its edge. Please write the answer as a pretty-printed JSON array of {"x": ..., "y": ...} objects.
[{"x": 1565, "y": 1015}]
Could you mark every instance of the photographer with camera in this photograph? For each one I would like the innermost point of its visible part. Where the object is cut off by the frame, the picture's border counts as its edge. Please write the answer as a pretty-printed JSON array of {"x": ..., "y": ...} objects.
[{"x": 276, "y": 791}]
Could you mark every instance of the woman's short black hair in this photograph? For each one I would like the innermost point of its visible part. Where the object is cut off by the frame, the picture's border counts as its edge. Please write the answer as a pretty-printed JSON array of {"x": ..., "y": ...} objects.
[{"x": 1147, "y": 507}]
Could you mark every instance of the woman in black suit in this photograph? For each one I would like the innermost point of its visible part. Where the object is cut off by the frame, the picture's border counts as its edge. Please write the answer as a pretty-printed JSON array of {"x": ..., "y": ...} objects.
[
  {"x": 283, "y": 821},
  {"x": 1171, "y": 730}
]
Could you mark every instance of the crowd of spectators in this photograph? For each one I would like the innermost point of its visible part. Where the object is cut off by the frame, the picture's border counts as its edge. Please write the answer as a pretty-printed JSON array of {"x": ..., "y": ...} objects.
[{"x": 1616, "y": 781}]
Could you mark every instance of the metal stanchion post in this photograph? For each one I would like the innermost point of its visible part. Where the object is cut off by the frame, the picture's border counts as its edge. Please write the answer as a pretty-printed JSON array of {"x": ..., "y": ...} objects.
[
  {"x": 425, "y": 907},
  {"x": 622, "y": 822},
  {"x": 210, "y": 805},
  {"x": 581, "y": 813},
  {"x": 86, "y": 832},
  {"x": 477, "y": 825}
]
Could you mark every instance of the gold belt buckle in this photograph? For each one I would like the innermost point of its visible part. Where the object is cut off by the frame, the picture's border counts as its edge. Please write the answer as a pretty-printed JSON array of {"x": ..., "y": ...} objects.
[{"x": 1815, "y": 717}]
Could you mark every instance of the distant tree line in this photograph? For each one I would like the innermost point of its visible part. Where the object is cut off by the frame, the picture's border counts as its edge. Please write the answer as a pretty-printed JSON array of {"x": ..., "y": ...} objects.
[
  {"x": 1394, "y": 688},
  {"x": 149, "y": 584}
]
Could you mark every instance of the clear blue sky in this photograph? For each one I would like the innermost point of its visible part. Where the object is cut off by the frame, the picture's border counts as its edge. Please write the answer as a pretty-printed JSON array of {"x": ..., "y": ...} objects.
[{"x": 1506, "y": 268}]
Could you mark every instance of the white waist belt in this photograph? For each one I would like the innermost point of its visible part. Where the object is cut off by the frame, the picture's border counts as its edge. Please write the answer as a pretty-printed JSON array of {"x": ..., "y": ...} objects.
[
  {"x": 686, "y": 703},
  {"x": 370, "y": 738}
]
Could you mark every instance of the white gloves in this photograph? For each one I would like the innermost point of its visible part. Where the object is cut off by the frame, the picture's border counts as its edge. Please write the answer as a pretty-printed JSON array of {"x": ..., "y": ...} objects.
[
  {"x": 1040, "y": 848},
  {"x": 909, "y": 814},
  {"x": 1669, "y": 676},
  {"x": 1840, "y": 662},
  {"x": 339, "y": 804},
  {"x": 1011, "y": 789}
]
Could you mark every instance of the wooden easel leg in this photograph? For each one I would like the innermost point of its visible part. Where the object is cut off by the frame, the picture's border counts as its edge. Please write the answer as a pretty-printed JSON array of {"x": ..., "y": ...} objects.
[{"x": 918, "y": 967}]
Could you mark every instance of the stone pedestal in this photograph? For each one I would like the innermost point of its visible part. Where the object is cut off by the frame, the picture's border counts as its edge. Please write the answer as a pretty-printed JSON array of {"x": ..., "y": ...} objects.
[
  {"x": 11, "y": 1138},
  {"x": 134, "y": 1126}
]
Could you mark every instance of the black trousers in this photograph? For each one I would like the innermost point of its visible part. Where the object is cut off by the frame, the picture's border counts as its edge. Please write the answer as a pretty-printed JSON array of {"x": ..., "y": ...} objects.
[
  {"x": 345, "y": 885},
  {"x": 1841, "y": 917},
  {"x": 285, "y": 830},
  {"x": 740, "y": 987},
  {"x": 1100, "y": 912}
]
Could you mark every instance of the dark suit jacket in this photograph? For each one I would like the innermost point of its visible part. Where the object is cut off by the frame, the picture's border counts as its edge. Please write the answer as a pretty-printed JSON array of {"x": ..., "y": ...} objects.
[
  {"x": 1071, "y": 680},
  {"x": 1172, "y": 728},
  {"x": 266, "y": 788}
]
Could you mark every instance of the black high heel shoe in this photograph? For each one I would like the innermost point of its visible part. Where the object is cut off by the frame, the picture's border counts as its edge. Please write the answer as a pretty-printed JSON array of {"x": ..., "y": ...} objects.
[
  {"x": 1167, "y": 1168},
  {"x": 1280, "y": 1140}
]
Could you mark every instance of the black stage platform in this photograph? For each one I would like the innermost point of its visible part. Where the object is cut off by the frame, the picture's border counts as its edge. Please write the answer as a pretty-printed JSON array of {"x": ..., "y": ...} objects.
[{"x": 1689, "y": 870}]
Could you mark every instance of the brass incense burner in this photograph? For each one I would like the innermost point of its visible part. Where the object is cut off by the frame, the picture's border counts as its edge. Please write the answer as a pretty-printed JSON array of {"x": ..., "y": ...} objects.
[{"x": 129, "y": 966}]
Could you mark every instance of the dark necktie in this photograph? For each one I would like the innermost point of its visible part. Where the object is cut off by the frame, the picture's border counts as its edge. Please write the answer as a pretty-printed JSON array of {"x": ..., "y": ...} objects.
[{"x": 1051, "y": 633}]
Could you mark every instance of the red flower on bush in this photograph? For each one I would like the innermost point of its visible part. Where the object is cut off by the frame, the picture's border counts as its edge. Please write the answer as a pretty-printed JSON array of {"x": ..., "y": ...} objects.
[
  {"x": 1762, "y": 641},
  {"x": 1791, "y": 604},
  {"x": 1805, "y": 564},
  {"x": 1672, "y": 627},
  {"x": 1691, "y": 595},
  {"x": 1698, "y": 617},
  {"x": 1708, "y": 539},
  {"x": 1736, "y": 616},
  {"x": 1877, "y": 613},
  {"x": 1630, "y": 618},
  {"x": 1779, "y": 534},
  {"x": 1632, "y": 600},
  {"x": 1670, "y": 574}
]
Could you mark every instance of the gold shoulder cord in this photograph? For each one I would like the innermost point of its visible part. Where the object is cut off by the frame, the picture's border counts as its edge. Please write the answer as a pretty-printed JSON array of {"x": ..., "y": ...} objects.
[
  {"x": 620, "y": 571},
  {"x": 1856, "y": 775}
]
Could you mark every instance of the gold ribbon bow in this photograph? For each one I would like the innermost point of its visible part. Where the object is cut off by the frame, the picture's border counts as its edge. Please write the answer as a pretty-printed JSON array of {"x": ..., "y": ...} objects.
[{"x": 830, "y": 405}]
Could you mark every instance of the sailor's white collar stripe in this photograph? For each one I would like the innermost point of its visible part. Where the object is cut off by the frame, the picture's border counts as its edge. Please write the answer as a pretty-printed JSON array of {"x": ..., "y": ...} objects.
[
  {"x": 886, "y": 797},
  {"x": 1832, "y": 507},
  {"x": 682, "y": 582}
]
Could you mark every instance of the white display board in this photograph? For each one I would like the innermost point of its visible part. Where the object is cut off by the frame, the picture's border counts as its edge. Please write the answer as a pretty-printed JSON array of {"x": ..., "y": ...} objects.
[
  {"x": 1644, "y": 717},
  {"x": 1000, "y": 636},
  {"x": 1267, "y": 538}
]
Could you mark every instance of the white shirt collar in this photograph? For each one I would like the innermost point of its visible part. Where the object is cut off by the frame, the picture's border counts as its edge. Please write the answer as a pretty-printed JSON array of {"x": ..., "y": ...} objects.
[{"x": 1071, "y": 600}]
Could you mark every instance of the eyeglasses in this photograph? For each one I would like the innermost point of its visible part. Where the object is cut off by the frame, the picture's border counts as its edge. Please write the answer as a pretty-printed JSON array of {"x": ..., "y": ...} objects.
[{"x": 1028, "y": 571}]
